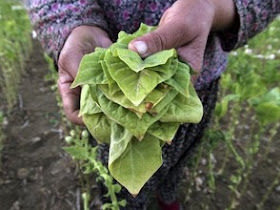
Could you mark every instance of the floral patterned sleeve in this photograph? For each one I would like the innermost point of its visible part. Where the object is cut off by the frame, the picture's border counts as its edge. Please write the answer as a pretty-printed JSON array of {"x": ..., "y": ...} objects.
[
  {"x": 54, "y": 20},
  {"x": 254, "y": 16}
]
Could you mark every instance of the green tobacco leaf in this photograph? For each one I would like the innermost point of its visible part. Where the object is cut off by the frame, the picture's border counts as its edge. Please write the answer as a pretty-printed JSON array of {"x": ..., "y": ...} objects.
[
  {"x": 267, "y": 106},
  {"x": 99, "y": 127},
  {"x": 181, "y": 79},
  {"x": 135, "y": 105},
  {"x": 90, "y": 70},
  {"x": 106, "y": 72},
  {"x": 152, "y": 99},
  {"x": 120, "y": 137},
  {"x": 124, "y": 38},
  {"x": 136, "y": 86},
  {"x": 249, "y": 84},
  {"x": 126, "y": 118},
  {"x": 114, "y": 48},
  {"x": 157, "y": 95},
  {"x": 130, "y": 58},
  {"x": 79, "y": 153},
  {"x": 167, "y": 70},
  {"x": 222, "y": 107},
  {"x": 268, "y": 112},
  {"x": 87, "y": 103},
  {"x": 162, "y": 143},
  {"x": 164, "y": 131},
  {"x": 135, "y": 62},
  {"x": 182, "y": 109},
  {"x": 271, "y": 96},
  {"x": 137, "y": 164},
  {"x": 118, "y": 97},
  {"x": 164, "y": 102},
  {"x": 144, "y": 29},
  {"x": 122, "y": 35}
]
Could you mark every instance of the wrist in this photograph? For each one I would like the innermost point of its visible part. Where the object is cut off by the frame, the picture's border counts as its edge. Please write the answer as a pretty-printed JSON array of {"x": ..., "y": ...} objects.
[{"x": 224, "y": 16}]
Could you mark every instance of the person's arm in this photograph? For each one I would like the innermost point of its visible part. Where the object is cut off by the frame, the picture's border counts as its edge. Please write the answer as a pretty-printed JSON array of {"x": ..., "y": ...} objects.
[
  {"x": 253, "y": 17},
  {"x": 54, "y": 20},
  {"x": 68, "y": 30},
  {"x": 187, "y": 24}
]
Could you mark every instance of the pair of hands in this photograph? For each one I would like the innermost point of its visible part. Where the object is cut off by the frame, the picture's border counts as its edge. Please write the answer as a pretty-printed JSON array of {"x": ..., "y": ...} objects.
[{"x": 184, "y": 26}]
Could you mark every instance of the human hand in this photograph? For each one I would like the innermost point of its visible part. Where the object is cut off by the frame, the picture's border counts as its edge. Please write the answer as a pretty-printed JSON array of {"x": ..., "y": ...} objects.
[
  {"x": 186, "y": 26},
  {"x": 81, "y": 41}
]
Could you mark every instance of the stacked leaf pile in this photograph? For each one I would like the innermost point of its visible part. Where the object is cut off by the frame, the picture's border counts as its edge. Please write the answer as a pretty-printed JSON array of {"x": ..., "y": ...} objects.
[{"x": 135, "y": 105}]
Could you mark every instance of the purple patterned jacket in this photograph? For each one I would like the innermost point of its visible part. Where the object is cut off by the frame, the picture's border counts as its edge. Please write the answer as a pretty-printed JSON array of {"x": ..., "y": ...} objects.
[{"x": 55, "y": 19}]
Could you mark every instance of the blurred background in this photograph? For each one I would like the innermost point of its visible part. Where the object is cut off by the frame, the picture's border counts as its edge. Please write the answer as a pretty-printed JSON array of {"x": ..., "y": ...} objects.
[{"x": 237, "y": 166}]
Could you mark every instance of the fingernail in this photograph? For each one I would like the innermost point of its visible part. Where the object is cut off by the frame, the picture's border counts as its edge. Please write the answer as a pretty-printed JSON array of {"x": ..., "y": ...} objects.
[{"x": 141, "y": 47}]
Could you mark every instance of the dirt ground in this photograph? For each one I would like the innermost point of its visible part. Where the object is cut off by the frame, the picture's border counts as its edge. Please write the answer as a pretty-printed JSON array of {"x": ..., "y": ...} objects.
[
  {"x": 36, "y": 174},
  {"x": 259, "y": 182}
]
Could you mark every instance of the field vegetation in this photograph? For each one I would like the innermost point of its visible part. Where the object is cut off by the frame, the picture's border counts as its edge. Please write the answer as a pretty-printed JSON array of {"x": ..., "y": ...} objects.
[{"x": 237, "y": 164}]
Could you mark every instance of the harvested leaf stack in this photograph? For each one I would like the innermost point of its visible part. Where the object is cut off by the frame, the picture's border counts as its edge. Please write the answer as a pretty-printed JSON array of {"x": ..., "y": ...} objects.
[{"x": 135, "y": 105}]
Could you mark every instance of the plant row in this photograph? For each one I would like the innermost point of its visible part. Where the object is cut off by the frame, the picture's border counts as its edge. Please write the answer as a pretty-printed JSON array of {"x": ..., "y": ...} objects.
[{"x": 14, "y": 49}]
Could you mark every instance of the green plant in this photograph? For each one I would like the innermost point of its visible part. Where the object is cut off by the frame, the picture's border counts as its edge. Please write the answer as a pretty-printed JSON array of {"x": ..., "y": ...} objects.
[
  {"x": 14, "y": 49},
  {"x": 240, "y": 124},
  {"x": 87, "y": 164},
  {"x": 85, "y": 154},
  {"x": 135, "y": 105},
  {"x": 247, "y": 116}
]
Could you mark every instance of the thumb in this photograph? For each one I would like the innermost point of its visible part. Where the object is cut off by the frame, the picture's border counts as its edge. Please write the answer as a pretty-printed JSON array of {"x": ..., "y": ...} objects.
[{"x": 167, "y": 36}]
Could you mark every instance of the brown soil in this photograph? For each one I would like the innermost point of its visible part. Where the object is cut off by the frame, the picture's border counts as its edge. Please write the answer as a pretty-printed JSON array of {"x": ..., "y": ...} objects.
[
  {"x": 260, "y": 180},
  {"x": 36, "y": 173}
]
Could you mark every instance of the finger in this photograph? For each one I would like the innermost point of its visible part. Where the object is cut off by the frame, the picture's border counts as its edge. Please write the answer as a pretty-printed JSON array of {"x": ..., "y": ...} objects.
[
  {"x": 193, "y": 53},
  {"x": 70, "y": 100},
  {"x": 75, "y": 48},
  {"x": 68, "y": 65},
  {"x": 69, "y": 60},
  {"x": 193, "y": 58},
  {"x": 105, "y": 42},
  {"x": 81, "y": 41},
  {"x": 170, "y": 35}
]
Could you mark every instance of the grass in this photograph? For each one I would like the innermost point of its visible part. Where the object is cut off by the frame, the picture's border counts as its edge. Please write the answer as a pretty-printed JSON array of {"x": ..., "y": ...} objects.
[
  {"x": 245, "y": 126},
  {"x": 14, "y": 49}
]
